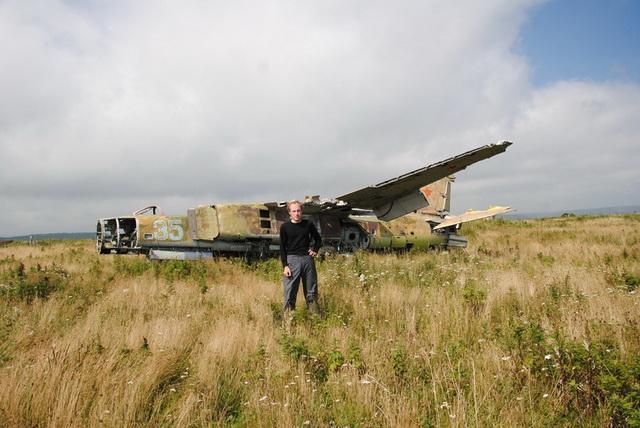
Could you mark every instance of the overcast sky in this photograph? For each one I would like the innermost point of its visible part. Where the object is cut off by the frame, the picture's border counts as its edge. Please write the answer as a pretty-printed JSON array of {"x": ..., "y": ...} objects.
[{"x": 108, "y": 106}]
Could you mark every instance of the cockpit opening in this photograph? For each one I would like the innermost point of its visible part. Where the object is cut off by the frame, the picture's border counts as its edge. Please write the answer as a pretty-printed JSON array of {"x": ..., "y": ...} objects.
[{"x": 119, "y": 234}]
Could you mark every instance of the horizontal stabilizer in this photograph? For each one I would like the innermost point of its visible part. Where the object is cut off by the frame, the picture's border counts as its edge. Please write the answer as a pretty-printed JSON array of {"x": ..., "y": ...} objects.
[{"x": 472, "y": 216}]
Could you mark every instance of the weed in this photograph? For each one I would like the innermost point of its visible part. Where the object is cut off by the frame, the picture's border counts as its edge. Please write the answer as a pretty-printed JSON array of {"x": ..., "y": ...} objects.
[
  {"x": 227, "y": 403},
  {"x": 277, "y": 311},
  {"x": 335, "y": 360},
  {"x": 631, "y": 281},
  {"x": 545, "y": 260},
  {"x": 295, "y": 348},
  {"x": 492, "y": 336},
  {"x": 355, "y": 359},
  {"x": 399, "y": 362},
  {"x": 175, "y": 270},
  {"x": 473, "y": 296},
  {"x": 132, "y": 266},
  {"x": 202, "y": 285},
  {"x": 270, "y": 269},
  {"x": 625, "y": 280},
  {"x": 37, "y": 283}
]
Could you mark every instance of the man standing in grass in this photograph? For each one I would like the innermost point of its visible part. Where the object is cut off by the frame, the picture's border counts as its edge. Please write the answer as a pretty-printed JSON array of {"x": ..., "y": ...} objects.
[{"x": 297, "y": 252}]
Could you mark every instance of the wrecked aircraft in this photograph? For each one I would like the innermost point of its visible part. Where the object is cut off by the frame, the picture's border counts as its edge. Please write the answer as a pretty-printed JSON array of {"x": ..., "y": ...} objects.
[{"x": 409, "y": 211}]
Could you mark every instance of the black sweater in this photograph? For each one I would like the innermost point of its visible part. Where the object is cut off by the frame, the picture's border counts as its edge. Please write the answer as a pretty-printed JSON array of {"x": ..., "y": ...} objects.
[{"x": 295, "y": 239}]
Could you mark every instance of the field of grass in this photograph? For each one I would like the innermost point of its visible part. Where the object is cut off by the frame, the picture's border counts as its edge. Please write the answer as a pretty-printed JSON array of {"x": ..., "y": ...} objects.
[{"x": 537, "y": 323}]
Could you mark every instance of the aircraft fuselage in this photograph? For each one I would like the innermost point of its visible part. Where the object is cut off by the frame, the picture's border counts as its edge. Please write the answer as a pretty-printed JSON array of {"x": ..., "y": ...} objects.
[{"x": 254, "y": 229}]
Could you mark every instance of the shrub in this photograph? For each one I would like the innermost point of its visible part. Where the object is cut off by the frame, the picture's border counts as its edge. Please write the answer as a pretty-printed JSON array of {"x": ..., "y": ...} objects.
[
  {"x": 354, "y": 358},
  {"x": 295, "y": 348},
  {"x": 38, "y": 282},
  {"x": 546, "y": 260},
  {"x": 631, "y": 281},
  {"x": 399, "y": 362},
  {"x": 175, "y": 270},
  {"x": 132, "y": 266},
  {"x": 473, "y": 296},
  {"x": 335, "y": 360}
]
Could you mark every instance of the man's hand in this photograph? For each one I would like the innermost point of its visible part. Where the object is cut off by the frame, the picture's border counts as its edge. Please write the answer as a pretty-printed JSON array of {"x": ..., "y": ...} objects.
[
  {"x": 312, "y": 253},
  {"x": 287, "y": 271}
]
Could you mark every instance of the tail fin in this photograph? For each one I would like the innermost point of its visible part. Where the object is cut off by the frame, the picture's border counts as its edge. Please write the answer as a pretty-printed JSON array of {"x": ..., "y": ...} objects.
[{"x": 438, "y": 196}]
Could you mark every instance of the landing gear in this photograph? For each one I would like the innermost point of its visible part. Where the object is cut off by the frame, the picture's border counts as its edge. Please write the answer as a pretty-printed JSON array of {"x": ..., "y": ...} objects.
[{"x": 256, "y": 252}]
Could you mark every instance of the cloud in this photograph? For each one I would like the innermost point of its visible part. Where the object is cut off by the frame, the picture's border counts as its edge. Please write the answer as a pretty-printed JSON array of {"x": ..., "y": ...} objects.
[
  {"x": 577, "y": 147},
  {"x": 110, "y": 106}
]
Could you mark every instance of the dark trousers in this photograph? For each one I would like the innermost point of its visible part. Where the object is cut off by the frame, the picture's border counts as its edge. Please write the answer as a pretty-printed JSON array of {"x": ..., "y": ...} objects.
[{"x": 302, "y": 268}]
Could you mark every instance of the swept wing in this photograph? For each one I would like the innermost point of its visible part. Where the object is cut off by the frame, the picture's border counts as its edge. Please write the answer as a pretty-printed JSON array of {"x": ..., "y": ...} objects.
[{"x": 398, "y": 196}]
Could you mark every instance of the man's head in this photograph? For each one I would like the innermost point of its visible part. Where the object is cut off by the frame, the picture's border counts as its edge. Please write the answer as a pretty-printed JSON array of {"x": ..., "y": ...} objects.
[{"x": 295, "y": 211}]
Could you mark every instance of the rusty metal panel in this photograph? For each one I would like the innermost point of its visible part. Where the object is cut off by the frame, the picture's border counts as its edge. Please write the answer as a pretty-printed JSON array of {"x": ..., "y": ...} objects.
[
  {"x": 280, "y": 218},
  {"x": 191, "y": 218},
  {"x": 145, "y": 228},
  {"x": 206, "y": 223},
  {"x": 411, "y": 224},
  {"x": 161, "y": 230},
  {"x": 238, "y": 222}
]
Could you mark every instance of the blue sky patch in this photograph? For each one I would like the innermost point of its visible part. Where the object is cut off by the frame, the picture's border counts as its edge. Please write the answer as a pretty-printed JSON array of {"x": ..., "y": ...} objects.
[{"x": 583, "y": 40}]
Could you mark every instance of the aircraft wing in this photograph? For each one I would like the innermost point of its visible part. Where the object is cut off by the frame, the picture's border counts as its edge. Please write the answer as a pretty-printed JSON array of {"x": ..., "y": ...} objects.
[
  {"x": 471, "y": 216},
  {"x": 401, "y": 195}
]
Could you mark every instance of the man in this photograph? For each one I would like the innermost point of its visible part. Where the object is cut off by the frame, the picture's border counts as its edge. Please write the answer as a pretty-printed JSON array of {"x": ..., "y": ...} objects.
[{"x": 297, "y": 252}]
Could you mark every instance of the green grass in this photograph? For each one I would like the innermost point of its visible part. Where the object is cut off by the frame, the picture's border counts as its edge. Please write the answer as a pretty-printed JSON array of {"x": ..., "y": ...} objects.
[{"x": 536, "y": 323}]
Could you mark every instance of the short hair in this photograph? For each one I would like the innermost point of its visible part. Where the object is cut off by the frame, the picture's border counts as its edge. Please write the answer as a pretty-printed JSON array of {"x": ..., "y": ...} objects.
[{"x": 293, "y": 202}]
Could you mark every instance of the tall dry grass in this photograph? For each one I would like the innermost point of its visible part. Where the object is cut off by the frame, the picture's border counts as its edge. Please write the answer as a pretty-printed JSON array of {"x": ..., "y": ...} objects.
[{"x": 535, "y": 324}]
